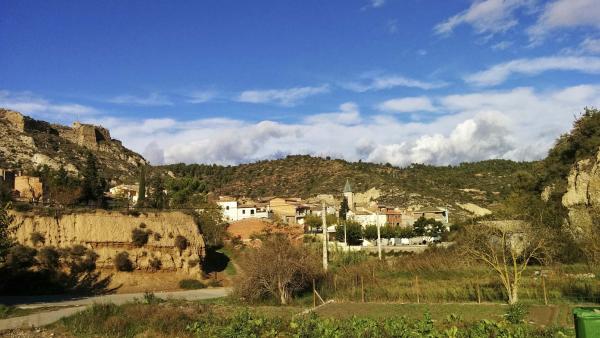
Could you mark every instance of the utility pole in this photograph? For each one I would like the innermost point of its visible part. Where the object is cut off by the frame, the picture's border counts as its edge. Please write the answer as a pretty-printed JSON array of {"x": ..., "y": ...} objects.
[
  {"x": 324, "y": 226},
  {"x": 378, "y": 235}
]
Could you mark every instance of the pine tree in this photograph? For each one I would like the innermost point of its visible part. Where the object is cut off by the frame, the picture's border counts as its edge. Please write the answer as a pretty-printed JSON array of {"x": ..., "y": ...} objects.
[{"x": 157, "y": 192}]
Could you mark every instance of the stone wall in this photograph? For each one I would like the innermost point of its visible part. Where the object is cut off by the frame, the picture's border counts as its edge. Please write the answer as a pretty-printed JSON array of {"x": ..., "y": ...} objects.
[
  {"x": 30, "y": 188},
  {"x": 109, "y": 233}
]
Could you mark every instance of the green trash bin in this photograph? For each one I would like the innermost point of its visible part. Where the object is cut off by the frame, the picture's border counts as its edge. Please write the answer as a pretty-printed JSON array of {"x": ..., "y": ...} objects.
[{"x": 587, "y": 322}]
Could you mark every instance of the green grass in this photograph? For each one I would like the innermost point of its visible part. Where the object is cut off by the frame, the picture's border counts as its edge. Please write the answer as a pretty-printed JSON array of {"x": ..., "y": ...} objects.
[
  {"x": 194, "y": 319},
  {"x": 230, "y": 269}
]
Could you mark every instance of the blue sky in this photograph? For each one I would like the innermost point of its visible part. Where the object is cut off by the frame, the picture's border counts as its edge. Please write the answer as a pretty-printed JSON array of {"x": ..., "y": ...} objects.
[{"x": 397, "y": 81}]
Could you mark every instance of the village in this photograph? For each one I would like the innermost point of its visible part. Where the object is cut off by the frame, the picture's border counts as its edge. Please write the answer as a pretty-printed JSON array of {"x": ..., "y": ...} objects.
[{"x": 303, "y": 215}]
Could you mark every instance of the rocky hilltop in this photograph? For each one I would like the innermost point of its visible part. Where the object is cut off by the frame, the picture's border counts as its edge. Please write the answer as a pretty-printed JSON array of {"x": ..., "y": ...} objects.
[
  {"x": 582, "y": 197},
  {"x": 26, "y": 143}
]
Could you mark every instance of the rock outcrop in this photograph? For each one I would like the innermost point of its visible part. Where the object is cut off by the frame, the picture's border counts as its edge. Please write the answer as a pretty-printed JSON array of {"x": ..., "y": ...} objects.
[
  {"x": 26, "y": 143},
  {"x": 108, "y": 233},
  {"x": 583, "y": 192}
]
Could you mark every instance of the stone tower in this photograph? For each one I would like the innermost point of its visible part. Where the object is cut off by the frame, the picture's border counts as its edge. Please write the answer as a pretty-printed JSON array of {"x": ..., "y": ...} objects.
[{"x": 349, "y": 194}]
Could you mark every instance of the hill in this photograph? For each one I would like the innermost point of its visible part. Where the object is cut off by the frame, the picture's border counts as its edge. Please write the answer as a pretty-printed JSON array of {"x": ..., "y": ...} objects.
[
  {"x": 482, "y": 183},
  {"x": 26, "y": 143}
]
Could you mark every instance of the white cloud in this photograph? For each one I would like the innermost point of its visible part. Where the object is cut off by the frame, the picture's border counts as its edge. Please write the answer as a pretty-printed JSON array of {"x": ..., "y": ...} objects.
[
  {"x": 285, "y": 97},
  {"x": 348, "y": 114},
  {"x": 377, "y": 3},
  {"x": 591, "y": 46},
  {"x": 407, "y": 104},
  {"x": 153, "y": 99},
  {"x": 565, "y": 14},
  {"x": 519, "y": 124},
  {"x": 485, "y": 16},
  {"x": 501, "y": 72},
  {"x": 201, "y": 96},
  {"x": 375, "y": 83},
  {"x": 502, "y": 45},
  {"x": 35, "y": 106}
]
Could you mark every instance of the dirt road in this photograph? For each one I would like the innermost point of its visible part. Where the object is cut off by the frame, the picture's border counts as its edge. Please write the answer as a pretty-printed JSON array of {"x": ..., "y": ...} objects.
[{"x": 80, "y": 304}]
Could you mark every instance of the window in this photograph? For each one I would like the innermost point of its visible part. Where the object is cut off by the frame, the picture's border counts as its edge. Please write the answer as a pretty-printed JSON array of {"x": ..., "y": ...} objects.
[
  {"x": 251, "y": 211},
  {"x": 227, "y": 208},
  {"x": 244, "y": 212}
]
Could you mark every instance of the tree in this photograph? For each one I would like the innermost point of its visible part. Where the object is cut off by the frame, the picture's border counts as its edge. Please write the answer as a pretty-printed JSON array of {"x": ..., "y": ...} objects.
[
  {"x": 354, "y": 233},
  {"x": 211, "y": 225},
  {"x": 428, "y": 227},
  {"x": 278, "y": 269},
  {"x": 93, "y": 185},
  {"x": 506, "y": 247},
  {"x": 344, "y": 208},
  {"x": 5, "y": 241},
  {"x": 157, "y": 198},
  {"x": 370, "y": 232},
  {"x": 142, "y": 187}
]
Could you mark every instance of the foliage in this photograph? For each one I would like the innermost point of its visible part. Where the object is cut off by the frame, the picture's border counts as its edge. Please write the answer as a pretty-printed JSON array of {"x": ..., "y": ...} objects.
[
  {"x": 93, "y": 184},
  {"x": 5, "y": 193},
  {"x": 155, "y": 263},
  {"x": 36, "y": 238},
  {"x": 157, "y": 198},
  {"x": 122, "y": 262},
  {"x": 211, "y": 225},
  {"x": 191, "y": 284},
  {"x": 50, "y": 270},
  {"x": 139, "y": 237},
  {"x": 516, "y": 313},
  {"x": 5, "y": 240},
  {"x": 290, "y": 270},
  {"x": 428, "y": 227},
  {"x": 305, "y": 176},
  {"x": 354, "y": 232},
  {"x": 344, "y": 208},
  {"x": 315, "y": 222},
  {"x": 181, "y": 243},
  {"x": 506, "y": 248},
  {"x": 173, "y": 320}
]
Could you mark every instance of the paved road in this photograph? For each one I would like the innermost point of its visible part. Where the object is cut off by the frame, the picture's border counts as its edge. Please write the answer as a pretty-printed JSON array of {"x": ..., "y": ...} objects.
[{"x": 80, "y": 304}]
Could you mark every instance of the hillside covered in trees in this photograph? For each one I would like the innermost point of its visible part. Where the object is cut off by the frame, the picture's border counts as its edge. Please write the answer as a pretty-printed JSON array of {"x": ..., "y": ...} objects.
[{"x": 482, "y": 183}]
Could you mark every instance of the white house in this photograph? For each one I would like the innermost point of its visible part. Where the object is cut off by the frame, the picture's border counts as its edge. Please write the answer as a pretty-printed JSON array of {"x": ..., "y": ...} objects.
[
  {"x": 367, "y": 217},
  {"x": 233, "y": 211}
]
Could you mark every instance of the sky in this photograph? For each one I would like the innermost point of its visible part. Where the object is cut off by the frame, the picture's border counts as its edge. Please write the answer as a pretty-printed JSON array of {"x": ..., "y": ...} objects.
[{"x": 385, "y": 81}]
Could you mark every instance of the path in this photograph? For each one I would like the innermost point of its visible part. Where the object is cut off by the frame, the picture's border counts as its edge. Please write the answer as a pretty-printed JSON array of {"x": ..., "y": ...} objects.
[{"x": 80, "y": 304}]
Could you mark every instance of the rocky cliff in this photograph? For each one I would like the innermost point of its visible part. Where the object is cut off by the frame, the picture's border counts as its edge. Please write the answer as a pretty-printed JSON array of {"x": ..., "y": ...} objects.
[
  {"x": 583, "y": 192},
  {"x": 109, "y": 233},
  {"x": 26, "y": 143}
]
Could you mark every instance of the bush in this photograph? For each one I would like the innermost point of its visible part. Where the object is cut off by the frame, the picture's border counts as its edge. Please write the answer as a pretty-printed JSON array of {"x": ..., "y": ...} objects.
[
  {"x": 48, "y": 258},
  {"x": 155, "y": 263},
  {"x": 122, "y": 262},
  {"x": 215, "y": 283},
  {"x": 516, "y": 313},
  {"x": 20, "y": 257},
  {"x": 139, "y": 237},
  {"x": 191, "y": 284},
  {"x": 181, "y": 243},
  {"x": 157, "y": 236},
  {"x": 23, "y": 207},
  {"x": 36, "y": 238}
]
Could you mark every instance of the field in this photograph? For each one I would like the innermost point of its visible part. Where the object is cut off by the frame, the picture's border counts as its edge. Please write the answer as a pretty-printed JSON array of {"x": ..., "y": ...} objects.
[{"x": 223, "y": 319}]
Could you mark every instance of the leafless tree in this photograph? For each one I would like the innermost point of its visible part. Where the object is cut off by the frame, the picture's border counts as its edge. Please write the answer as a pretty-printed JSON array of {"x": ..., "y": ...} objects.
[
  {"x": 278, "y": 268},
  {"x": 507, "y": 247}
]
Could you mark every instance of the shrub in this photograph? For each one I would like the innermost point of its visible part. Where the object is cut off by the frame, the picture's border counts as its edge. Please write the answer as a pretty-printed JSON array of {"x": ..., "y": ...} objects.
[
  {"x": 20, "y": 257},
  {"x": 516, "y": 313},
  {"x": 155, "y": 263},
  {"x": 215, "y": 283},
  {"x": 48, "y": 258},
  {"x": 193, "y": 262},
  {"x": 36, "y": 238},
  {"x": 157, "y": 236},
  {"x": 122, "y": 262},
  {"x": 142, "y": 225},
  {"x": 23, "y": 207},
  {"x": 139, "y": 237},
  {"x": 150, "y": 298},
  {"x": 191, "y": 284},
  {"x": 181, "y": 242}
]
